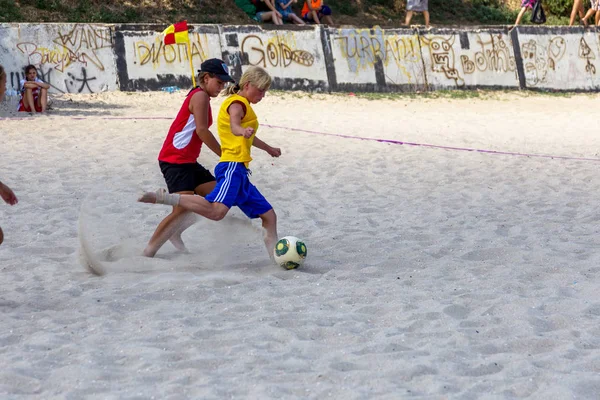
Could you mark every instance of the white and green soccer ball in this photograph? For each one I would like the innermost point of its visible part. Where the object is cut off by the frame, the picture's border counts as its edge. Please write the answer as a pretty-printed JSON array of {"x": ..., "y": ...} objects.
[{"x": 289, "y": 252}]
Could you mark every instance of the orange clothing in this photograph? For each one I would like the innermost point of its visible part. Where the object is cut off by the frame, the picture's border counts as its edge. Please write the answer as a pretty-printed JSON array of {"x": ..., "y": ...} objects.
[{"x": 314, "y": 3}]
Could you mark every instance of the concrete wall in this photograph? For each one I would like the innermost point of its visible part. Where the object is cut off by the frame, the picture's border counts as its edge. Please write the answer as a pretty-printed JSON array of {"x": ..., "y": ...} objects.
[
  {"x": 85, "y": 58},
  {"x": 70, "y": 57}
]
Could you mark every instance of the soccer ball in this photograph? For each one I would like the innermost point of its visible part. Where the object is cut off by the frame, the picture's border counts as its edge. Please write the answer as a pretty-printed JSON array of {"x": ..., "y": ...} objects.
[{"x": 289, "y": 252}]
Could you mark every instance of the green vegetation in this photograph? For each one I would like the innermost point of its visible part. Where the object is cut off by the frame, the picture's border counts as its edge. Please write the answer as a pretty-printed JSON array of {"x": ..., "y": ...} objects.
[{"x": 385, "y": 13}]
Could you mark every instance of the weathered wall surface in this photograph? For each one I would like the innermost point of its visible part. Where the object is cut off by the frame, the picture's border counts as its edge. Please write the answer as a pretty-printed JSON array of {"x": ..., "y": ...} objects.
[
  {"x": 376, "y": 59},
  {"x": 70, "y": 57},
  {"x": 85, "y": 58},
  {"x": 293, "y": 57},
  {"x": 457, "y": 59},
  {"x": 560, "y": 58}
]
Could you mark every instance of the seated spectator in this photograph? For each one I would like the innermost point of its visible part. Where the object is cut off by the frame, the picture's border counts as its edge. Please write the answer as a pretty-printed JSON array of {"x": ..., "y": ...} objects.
[
  {"x": 315, "y": 11},
  {"x": 260, "y": 10},
  {"x": 34, "y": 92},
  {"x": 287, "y": 14}
]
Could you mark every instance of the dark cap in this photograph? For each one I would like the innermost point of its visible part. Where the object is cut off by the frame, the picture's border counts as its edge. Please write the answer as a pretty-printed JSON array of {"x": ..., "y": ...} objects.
[{"x": 217, "y": 67}]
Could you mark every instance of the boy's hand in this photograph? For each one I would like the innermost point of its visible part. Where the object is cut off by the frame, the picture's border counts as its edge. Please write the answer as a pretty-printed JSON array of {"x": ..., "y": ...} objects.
[
  {"x": 274, "y": 151},
  {"x": 247, "y": 132}
]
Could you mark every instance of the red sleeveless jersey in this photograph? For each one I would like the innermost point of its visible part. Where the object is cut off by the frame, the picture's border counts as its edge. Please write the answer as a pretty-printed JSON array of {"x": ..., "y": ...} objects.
[{"x": 182, "y": 144}]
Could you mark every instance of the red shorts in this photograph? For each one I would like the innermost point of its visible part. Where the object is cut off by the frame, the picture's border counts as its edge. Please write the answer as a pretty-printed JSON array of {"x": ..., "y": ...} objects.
[{"x": 22, "y": 107}]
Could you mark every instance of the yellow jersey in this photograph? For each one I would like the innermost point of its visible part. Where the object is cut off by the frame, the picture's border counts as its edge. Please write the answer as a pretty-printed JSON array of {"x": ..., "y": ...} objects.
[{"x": 236, "y": 148}]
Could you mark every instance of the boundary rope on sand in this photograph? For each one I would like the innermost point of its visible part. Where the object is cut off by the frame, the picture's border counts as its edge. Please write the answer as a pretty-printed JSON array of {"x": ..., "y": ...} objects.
[{"x": 398, "y": 142}]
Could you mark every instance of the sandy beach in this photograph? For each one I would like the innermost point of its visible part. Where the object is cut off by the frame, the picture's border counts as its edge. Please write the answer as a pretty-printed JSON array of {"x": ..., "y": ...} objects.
[{"x": 452, "y": 253}]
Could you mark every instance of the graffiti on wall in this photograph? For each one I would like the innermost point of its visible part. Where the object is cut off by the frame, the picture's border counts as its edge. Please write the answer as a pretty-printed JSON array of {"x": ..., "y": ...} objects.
[
  {"x": 442, "y": 56},
  {"x": 362, "y": 48},
  {"x": 79, "y": 47},
  {"x": 586, "y": 53},
  {"x": 538, "y": 60},
  {"x": 279, "y": 51},
  {"x": 157, "y": 53},
  {"x": 493, "y": 54}
]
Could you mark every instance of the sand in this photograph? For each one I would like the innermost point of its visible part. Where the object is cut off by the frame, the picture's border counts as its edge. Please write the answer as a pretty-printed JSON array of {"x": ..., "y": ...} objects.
[{"x": 432, "y": 272}]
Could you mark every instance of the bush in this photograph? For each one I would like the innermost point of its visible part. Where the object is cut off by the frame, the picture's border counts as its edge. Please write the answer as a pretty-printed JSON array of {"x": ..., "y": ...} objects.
[
  {"x": 9, "y": 11},
  {"x": 558, "y": 7}
]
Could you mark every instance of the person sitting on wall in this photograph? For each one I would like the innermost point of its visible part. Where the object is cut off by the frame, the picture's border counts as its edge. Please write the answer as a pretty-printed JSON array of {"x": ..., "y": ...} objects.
[
  {"x": 287, "y": 14},
  {"x": 315, "y": 11},
  {"x": 34, "y": 92},
  {"x": 259, "y": 11}
]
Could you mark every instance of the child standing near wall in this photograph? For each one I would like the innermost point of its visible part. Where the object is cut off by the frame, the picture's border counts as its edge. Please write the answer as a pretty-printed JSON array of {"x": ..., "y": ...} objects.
[
  {"x": 287, "y": 14},
  {"x": 34, "y": 92},
  {"x": 237, "y": 125}
]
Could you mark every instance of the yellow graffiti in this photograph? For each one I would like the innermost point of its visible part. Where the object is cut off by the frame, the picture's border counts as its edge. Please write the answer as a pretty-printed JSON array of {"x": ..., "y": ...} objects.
[
  {"x": 363, "y": 48},
  {"x": 157, "y": 53}
]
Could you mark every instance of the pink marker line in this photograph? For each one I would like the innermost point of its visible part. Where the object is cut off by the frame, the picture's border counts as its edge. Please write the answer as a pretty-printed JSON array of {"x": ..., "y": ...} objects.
[
  {"x": 434, "y": 146},
  {"x": 431, "y": 146}
]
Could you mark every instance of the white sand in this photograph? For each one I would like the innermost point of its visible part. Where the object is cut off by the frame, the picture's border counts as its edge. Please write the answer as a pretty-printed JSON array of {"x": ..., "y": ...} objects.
[{"x": 431, "y": 273}]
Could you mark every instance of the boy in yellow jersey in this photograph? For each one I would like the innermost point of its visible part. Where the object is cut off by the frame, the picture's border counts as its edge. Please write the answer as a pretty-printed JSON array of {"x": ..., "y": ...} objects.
[
  {"x": 237, "y": 125},
  {"x": 315, "y": 11}
]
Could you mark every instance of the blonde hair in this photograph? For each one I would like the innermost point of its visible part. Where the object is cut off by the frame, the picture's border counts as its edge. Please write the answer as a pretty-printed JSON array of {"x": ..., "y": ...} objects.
[{"x": 254, "y": 75}]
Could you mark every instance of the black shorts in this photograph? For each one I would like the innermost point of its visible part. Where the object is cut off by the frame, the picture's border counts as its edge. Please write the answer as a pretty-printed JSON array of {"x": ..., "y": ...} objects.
[{"x": 184, "y": 177}]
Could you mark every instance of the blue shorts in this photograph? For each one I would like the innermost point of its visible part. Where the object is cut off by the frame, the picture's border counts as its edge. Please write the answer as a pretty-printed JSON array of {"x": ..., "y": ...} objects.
[
  {"x": 234, "y": 189},
  {"x": 258, "y": 16}
]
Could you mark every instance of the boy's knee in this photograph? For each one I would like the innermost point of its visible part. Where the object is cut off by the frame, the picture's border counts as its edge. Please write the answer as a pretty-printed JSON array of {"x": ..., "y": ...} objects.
[{"x": 219, "y": 213}]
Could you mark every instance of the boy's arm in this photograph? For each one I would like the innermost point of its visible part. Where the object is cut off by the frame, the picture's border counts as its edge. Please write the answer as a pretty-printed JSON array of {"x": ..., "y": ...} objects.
[
  {"x": 273, "y": 151},
  {"x": 199, "y": 108},
  {"x": 30, "y": 85},
  {"x": 236, "y": 113},
  {"x": 287, "y": 5}
]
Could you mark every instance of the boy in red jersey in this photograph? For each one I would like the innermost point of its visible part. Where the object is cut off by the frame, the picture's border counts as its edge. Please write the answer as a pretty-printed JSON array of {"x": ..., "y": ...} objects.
[{"x": 181, "y": 149}]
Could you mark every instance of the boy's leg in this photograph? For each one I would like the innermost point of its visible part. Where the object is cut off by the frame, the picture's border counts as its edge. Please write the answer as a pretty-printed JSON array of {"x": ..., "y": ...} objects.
[
  {"x": 409, "y": 15},
  {"x": 28, "y": 100},
  {"x": 168, "y": 227},
  {"x": 197, "y": 204},
  {"x": 577, "y": 5},
  {"x": 327, "y": 19},
  {"x": 43, "y": 99},
  {"x": 597, "y": 20},
  {"x": 296, "y": 19},
  {"x": 426, "y": 16},
  {"x": 269, "y": 224},
  {"x": 523, "y": 9}
]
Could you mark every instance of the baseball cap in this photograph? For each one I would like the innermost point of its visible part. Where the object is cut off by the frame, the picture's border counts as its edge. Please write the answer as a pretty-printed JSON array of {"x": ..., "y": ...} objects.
[{"x": 217, "y": 67}]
